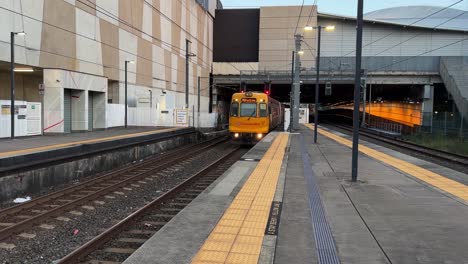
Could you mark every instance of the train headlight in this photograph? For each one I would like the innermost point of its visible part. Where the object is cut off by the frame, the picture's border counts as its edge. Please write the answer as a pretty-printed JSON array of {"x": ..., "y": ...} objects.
[
  {"x": 236, "y": 135},
  {"x": 259, "y": 136}
]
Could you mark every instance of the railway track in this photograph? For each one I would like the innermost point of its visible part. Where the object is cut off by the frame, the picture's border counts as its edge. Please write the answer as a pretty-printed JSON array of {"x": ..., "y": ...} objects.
[
  {"x": 426, "y": 151},
  {"x": 118, "y": 242},
  {"x": 17, "y": 219}
]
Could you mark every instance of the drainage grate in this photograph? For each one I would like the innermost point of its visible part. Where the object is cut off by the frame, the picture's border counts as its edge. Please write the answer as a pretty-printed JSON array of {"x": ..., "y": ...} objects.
[{"x": 325, "y": 245}]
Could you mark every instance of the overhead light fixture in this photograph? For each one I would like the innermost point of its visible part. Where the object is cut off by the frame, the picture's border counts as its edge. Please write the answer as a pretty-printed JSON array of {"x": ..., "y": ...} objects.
[
  {"x": 20, "y": 33},
  {"x": 330, "y": 28},
  {"x": 24, "y": 70},
  {"x": 308, "y": 28},
  {"x": 301, "y": 52},
  {"x": 130, "y": 61}
]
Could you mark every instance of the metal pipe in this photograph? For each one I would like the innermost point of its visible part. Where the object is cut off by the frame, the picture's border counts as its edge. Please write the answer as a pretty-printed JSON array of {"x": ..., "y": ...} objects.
[
  {"x": 317, "y": 85},
  {"x": 364, "y": 95},
  {"x": 370, "y": 101},
  {"x": 187, "y": 56},
  {"x": 291, "y": 97},
  {"x": 126, "y": 102},
  {"x": 198, "y": 103},
  {"x": 357, "y": 91},
  {"x": 12, "y": 82}
]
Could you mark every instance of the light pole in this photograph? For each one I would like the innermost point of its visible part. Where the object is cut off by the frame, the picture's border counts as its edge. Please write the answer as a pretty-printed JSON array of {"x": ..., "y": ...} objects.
[
  {"x": 12, "y": 81},
  {"x": 357, "y": 92},
  {"x": 291, "y": 94},
  {"x": 317, "y": 81},
  {"x": 187, "y": 60},
  {"x": 126, "y": 90},
  {"x": 296, "y": 82}
]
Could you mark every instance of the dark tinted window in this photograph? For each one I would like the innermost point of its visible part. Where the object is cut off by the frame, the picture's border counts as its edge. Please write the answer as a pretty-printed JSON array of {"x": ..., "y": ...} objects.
[
  {"x": 248, "y": 110},
  {"x": 234, "y": 109},
  {"x": 263, "y": 110}
]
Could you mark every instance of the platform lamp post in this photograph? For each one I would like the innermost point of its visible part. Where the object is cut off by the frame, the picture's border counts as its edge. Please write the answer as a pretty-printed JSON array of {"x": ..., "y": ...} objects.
[
  {"x": 357, "y": 92},
  {"x": 317, "y": 81},
  {"x": 12, "y": 81},
  {"x": 126, "y": 90}
]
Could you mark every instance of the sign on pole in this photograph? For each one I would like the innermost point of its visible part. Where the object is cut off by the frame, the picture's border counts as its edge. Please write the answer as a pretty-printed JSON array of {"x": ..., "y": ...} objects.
[
  {"x": 181, "y": 117},
  {"x": 41, "y": 88}
]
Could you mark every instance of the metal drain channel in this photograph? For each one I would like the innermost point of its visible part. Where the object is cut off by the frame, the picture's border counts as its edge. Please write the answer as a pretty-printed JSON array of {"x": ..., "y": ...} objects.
[{"x": 325, "y": 245}]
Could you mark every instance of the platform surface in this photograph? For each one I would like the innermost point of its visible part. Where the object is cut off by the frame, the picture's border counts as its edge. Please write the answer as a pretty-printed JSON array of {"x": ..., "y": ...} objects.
[
  {"x": 28, "y": 145},
  {"x": 401, "y": 210}
]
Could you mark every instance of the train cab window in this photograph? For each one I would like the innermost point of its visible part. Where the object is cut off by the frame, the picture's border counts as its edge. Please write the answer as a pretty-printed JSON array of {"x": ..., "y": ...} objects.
[
  {"x": 263, "y": 110},
  {"x": 248, "y": 110},
  {"x": 234, "y": 109}
]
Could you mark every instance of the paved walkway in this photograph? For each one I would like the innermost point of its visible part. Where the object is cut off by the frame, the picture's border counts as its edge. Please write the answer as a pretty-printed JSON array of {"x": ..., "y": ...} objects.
[{"x": 401, "y": 210}]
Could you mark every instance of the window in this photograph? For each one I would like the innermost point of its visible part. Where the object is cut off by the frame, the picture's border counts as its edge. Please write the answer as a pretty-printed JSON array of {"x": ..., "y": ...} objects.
[
  {"x": 263, "y": 110},
  {"x": 248, "y": 110},
  {"x": 234, "y": 109}
]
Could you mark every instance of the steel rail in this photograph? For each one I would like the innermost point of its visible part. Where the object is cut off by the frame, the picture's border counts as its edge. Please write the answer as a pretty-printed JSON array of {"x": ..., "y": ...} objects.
[
  {"x": 440, "y": 154},
  {"x": 27, "y": 223},
  {"x": 98, "y": 241}
]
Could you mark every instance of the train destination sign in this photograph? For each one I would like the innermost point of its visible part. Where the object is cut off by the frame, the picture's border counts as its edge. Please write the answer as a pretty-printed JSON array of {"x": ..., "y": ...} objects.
[{"x": 249, "y": 100}]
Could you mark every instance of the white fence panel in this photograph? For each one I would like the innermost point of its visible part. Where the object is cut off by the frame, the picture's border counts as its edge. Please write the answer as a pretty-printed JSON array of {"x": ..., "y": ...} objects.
[
  {"x": 115, "y": 114},
  {"x": 25, "y": 124},
  {"x": 33, "y": 117}
]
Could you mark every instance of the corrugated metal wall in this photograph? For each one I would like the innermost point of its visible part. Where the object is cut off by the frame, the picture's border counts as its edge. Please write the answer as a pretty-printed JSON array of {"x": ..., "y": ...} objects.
[
  {"x": 390, "y": 40},
  {"x": 383, "y": 63}
]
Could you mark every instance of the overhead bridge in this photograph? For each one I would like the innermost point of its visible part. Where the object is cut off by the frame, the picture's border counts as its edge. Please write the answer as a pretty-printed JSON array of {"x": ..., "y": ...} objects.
[{"x": 337, "y": 77}]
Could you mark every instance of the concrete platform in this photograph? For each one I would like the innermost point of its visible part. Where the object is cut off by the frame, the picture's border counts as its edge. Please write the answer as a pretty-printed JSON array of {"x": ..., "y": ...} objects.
[
  {"x": 27, "y": 145},
  {"x": 35, "y": 150},
  {"x": 29, "y": 165},
  {"x": 393, "y": 214}
]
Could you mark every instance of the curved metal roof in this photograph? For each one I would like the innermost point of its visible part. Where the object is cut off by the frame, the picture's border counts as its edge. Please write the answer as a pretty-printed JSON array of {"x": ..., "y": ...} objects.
[{"x": 453, "y": 19}]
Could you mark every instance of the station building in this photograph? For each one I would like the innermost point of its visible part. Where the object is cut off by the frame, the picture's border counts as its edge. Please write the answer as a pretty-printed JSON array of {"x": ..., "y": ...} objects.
[
  {"x": 75, "y": 52},
  {"x": 408, "y": 52}
]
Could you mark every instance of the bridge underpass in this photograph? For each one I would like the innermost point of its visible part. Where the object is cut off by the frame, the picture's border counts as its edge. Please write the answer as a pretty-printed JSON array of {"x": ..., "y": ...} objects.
[{"x": 396, "y": 97}]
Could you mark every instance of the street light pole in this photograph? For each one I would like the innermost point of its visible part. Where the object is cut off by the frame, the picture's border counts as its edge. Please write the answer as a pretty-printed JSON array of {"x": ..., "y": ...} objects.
[
  {"x": 357, "y": 92},
  {"x": 291, "y": 94},
  {"x": 296, "y": 83},
  {"x": 12, "y": 82},
  {"x": 317, "y": 85}
]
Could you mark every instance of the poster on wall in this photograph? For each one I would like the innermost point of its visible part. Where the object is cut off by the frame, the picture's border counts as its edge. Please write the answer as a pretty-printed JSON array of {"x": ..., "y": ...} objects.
[
  {"x": 181, "y": 117},
  {"x": 6, "y": 110},
  {"x": 19, "y": 109}
]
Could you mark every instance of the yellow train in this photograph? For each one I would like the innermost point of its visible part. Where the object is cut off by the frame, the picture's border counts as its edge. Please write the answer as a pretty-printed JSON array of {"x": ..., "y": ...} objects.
[{"x": 253, "y": 115}]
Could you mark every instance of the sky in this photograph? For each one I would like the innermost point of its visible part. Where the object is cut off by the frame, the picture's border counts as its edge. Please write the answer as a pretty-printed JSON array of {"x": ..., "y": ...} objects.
[{"x": 343, "y": 7}]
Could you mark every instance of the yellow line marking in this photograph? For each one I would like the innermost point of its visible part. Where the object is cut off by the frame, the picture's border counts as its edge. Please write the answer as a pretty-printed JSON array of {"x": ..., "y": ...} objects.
[
  {"x": 238, "y": 236},
  {"x": 74, "y": 143},
  {"x": 455, "y": 188}
]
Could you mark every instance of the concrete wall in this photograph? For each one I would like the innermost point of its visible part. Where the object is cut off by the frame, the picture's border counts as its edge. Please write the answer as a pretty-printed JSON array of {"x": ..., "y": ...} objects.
[
  {"x": 97, "y": 37},
  {"x": 26, "y": 86},
  {"x": 277, "y": 28},
  {"x": 55, "y": 81}
]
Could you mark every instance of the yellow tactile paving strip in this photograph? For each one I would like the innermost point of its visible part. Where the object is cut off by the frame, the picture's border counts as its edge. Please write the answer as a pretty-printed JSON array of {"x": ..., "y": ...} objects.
[
  {"x": 455, "y": 188},
  {"x": 74, "y": 143},
  {"x": 238, "y": 236}
]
